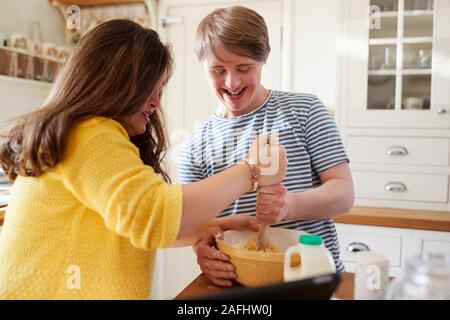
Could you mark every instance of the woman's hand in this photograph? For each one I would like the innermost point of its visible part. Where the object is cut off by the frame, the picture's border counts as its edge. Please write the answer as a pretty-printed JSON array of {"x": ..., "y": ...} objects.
[
  {"x": 272, "y": 204},
  {"x": 270, "y": 158},
  {"x": 215, "y": 264}
]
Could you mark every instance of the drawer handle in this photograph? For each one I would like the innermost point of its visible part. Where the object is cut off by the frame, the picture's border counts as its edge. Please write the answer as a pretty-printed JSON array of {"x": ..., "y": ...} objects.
[
  {"x": 357, "y": 247},
  {"x": 397, "y": 151},
  {"x": 395, "y": 186}
]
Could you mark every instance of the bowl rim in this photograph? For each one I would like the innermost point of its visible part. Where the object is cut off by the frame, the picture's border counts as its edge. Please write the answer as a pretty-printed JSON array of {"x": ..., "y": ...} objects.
[
  {"x": 251, "y": 255},
  {"x": 248, "y": 254}
]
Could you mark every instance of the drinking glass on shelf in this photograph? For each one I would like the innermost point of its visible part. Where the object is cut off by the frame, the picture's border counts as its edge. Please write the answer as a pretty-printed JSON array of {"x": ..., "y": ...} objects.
[
  {"x": 424, "y": 60},
  {"x": 375, "y": 60},
  {"x": 389, "y": 58}
]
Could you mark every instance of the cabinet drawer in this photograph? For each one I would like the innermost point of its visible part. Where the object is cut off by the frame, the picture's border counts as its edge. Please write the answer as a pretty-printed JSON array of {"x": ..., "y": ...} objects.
[
  {"x": 395, "y": 186},
  {"x": 435, "y": 246},
  {"x": 389, "y": 246},
  {"x": 406, "y": 151}
]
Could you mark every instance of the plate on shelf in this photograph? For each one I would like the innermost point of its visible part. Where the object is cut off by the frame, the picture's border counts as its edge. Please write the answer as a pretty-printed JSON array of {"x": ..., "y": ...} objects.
[{"x": 5, "y": 193}]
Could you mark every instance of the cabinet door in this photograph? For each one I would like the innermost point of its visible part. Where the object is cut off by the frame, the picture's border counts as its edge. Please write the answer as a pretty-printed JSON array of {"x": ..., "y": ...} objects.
[
  {"x": 393, "y": 243},
  {"x": 431, "y": 242},
  {"x": 397, "y": 62}
]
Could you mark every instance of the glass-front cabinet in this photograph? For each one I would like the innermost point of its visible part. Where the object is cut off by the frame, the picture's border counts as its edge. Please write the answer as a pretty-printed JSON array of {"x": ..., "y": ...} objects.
[{"x": 399, "y": 63}]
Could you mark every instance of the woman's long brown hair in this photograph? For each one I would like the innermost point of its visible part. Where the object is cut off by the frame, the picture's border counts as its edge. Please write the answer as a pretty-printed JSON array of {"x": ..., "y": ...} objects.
[{"x": 111, "y": 72}]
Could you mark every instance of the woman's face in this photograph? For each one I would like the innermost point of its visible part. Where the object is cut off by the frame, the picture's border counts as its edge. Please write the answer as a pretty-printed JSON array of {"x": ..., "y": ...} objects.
[
  {"x": 136, "y": 124},
  {"x": 236, "y": 80}
]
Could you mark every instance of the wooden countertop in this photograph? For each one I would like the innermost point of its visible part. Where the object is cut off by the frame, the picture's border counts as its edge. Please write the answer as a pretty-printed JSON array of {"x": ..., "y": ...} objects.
[
  {"x": 2, "y": 215},
  {"x": 203, "y": 286},
  {"x": 400, "y": 218}
]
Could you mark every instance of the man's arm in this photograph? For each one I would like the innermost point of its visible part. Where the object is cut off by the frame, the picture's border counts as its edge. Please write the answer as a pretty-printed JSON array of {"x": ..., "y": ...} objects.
[{"x": 333, "y": 197}]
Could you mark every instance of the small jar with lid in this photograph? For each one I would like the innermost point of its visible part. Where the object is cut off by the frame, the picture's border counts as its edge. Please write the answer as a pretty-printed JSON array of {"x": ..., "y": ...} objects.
[{"x": 427, "y": 277}]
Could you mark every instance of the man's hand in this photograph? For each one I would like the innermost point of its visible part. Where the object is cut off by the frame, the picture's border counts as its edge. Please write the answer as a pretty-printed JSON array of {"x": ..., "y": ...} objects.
[
  {"x": 214, "y": 263},
  {"x": 272, "y": 204}
]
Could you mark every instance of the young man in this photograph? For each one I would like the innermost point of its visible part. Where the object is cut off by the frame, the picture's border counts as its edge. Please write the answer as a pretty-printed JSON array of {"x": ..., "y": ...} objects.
[{"x": 233, "y": 45}]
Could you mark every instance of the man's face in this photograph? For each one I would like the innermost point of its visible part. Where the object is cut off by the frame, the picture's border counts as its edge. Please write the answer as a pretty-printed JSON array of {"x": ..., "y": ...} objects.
[{"x": 235, "y": 79}]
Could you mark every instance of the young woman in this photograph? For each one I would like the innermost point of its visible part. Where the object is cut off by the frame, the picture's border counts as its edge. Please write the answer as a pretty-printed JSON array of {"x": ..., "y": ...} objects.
[
  {"x": 233, "y": 45},
  {"x": 91, "y": 201}
]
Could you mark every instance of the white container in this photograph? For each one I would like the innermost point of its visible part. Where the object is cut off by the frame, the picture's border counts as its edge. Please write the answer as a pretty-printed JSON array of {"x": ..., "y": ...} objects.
[
  {"x": 371, "y": 276},
  {"x": 315, "y": 259}
]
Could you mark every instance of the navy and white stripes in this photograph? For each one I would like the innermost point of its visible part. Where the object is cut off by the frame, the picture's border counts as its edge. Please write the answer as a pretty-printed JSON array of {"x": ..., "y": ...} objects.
[{"x": 304, "y": 127}]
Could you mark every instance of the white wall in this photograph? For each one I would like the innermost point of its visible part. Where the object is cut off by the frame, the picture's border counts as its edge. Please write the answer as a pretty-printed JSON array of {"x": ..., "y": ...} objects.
[
  {"x": 314, "y": 48},
  {"x": 17, "y": 16},
  {"x": 18, "y": 96}
]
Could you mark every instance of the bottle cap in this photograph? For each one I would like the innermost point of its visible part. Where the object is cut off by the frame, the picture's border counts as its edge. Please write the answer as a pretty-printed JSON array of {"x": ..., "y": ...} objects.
[{"x": 310, "y": 239}]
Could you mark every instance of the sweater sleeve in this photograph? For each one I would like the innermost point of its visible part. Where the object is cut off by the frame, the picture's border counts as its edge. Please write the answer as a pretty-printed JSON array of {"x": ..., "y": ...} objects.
[{"x": 103, "y": 170}]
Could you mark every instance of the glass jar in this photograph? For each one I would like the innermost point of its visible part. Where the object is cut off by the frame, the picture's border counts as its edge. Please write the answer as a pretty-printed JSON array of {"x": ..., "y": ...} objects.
[{"x": 427, "y": 277}]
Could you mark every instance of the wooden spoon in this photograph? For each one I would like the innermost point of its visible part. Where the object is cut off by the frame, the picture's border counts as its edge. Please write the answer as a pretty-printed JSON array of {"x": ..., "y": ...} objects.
[{"x": 262, "y": 239}]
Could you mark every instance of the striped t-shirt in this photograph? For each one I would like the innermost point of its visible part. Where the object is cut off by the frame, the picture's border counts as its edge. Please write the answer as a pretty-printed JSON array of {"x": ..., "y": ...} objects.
[{"x": 304, "y": 127}]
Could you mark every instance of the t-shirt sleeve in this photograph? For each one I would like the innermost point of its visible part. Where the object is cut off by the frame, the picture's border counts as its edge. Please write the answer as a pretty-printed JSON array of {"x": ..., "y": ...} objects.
[
  {"x": 103, "y": 170},
  {"x": 323, "y": 141},
  {"x": 190, "y": 168}
]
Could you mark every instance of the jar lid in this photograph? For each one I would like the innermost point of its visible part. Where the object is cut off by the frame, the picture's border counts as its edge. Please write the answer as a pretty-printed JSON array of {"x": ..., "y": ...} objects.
[
  {"x": 432, "y": 264},
  {"x": 310, "y": 239},
  {"x": 371, "y": 258}
]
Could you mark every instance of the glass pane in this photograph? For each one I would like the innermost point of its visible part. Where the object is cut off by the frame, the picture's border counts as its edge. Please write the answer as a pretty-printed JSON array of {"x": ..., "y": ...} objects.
[
  {"x": 419, "y": 5},
  {"x": 383, "y": 18},
  {"x": 416, "y": 91},
  {"x": 381, "y": 92},
  {"x": 382, "y": 57},
  {"x": 418, "y": 25},
  {"x": 385, "y": 5},
  {"x": 417, "y": 56}
]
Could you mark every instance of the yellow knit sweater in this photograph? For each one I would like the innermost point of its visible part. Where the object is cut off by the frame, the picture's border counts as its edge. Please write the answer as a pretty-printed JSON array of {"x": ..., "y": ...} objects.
[{"x": 88, "y": 228}]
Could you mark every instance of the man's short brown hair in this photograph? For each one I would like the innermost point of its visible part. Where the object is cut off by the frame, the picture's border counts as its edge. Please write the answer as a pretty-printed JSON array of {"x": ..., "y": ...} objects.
[{"x": 241, "y": 30}]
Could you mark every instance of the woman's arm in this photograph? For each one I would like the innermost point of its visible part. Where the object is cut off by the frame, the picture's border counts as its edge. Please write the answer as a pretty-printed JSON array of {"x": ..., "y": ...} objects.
[
  {"x": 235, "y": 222},
  {"x": 203, "y": 200}
]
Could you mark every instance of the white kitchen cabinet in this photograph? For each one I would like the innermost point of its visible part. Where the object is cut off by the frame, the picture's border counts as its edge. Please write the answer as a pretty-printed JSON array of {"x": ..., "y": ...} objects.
[
  {"x": 400, "y": 65},
  {"x": 397, "y": 244},
  {"x": 395, "y": 101},
  {"x": 431, "y": 241},
  {"x": 394, "y": 243}
]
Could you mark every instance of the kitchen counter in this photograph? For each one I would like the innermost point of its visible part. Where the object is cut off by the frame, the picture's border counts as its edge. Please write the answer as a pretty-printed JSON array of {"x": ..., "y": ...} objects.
[
  {"x": 203, "y": 286},
  {"x": 399, "y": 218},
  {"x": 2, "y": 215}
]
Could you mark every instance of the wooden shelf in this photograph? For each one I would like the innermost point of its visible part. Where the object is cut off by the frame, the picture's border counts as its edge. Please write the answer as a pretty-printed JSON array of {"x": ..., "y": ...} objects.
[
  {"x": 28, "y": 53},
  {"x": 25, "y": 81},
  {"x": 405, "y": 72},
  {"x": 413, "y": 72},
  {"x": 418, "y": 13},
  {"x": 418, "y": 40},
  {"x": 382, "y": 41},
  {"x": 399, "y": 218},
  {"x": 72, "y": 35},
  {"x": 390, "y": 72}
]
